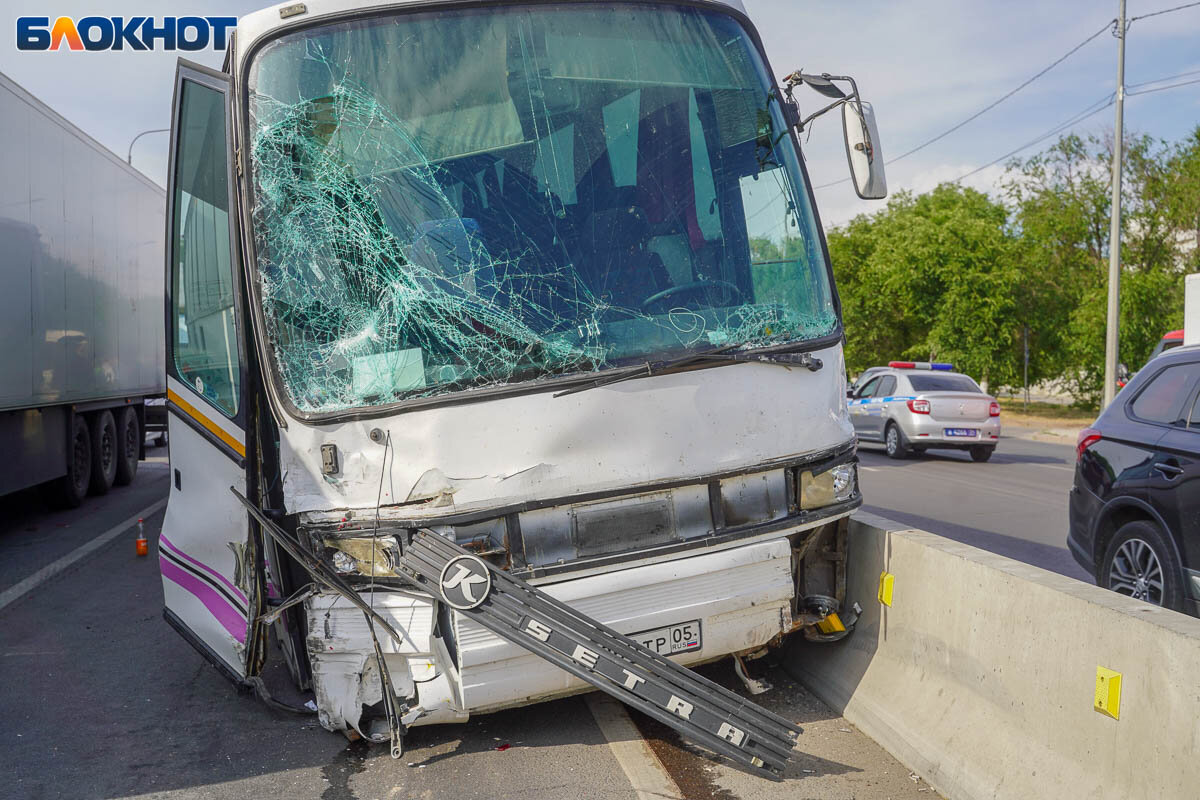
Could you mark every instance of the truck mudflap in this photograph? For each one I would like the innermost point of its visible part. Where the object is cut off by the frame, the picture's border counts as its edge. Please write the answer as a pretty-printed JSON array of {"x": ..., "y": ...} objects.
[{"x": 697, "y": 708}]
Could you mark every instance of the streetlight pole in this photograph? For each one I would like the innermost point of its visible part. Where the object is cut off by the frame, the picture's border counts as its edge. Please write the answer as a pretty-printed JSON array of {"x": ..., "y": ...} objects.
[
  {"x": 1111, "y": 341},
  {"x": 129, "y": 154}
]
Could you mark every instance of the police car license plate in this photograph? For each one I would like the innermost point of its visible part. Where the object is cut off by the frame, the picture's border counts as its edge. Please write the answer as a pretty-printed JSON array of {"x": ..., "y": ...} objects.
[
  {"x": 971, "y": 432},
  {"x": 681, "y": 638}
]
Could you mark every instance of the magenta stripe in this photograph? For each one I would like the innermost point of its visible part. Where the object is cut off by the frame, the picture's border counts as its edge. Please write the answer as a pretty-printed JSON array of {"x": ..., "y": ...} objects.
[
  {"x": 163, "y": 538},
  {"x": 229, "y": 617}
]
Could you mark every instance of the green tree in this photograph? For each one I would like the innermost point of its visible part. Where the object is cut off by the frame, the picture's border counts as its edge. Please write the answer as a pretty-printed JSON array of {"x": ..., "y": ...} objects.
[
  {"x": 930, "y": 277},
  {"x": 1061, "y": 206},
  {"x": 954, "y": 275}
]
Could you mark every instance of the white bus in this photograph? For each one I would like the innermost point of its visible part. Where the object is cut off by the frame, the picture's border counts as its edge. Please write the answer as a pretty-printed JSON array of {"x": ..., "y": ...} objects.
[{"x": 546, "y": 280}]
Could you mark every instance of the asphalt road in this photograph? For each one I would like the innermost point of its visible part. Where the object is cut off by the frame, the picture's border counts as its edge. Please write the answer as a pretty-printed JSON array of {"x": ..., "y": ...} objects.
[
  {"x": 100, "y": 698},
  {"x": 1014, "y": 505}
]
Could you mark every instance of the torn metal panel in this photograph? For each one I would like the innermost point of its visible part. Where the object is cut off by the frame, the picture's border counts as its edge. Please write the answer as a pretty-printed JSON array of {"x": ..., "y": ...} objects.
[{"x": 346, "y": 676}]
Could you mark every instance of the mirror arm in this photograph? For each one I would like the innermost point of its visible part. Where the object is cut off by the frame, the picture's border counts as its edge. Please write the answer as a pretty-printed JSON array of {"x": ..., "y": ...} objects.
[
  {"x": 797, "y": 78},
  {"x": 802, "y": 123}
]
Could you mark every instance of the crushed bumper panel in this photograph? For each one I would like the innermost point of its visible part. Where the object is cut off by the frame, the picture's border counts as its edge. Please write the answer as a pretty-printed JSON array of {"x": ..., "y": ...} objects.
[{"x": 701, "y": 710}]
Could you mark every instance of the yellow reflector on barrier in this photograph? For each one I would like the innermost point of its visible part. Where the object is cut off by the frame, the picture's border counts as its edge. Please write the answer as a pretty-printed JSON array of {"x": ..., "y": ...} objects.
[
  {"x": 887, "y": 582},
  {"x": 1108, "y": 692},
  {"x": 831, "y": 624}
]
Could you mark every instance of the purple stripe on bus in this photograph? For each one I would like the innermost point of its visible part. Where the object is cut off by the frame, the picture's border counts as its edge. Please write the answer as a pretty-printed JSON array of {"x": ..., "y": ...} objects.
[
  {"x": 163, "y": 538},
  {"x": 272, "y": 592},
  {"x": 230, "y": 618}
]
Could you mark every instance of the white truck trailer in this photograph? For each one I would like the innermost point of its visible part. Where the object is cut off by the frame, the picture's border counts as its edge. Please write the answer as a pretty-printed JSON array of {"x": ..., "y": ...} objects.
[{"x": 81, "y": 320}]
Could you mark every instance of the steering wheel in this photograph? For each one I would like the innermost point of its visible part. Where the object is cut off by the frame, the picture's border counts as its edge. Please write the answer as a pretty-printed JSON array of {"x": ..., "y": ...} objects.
[{"x": 692, "y": 287}]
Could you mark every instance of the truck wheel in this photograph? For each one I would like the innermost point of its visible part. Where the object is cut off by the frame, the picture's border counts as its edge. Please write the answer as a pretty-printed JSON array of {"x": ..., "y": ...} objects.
[
  {"x": 69, "y": 490},
  {"x": 1141, "y": 563},
  {"x": 981, "y": 452},
  {"x": 129, "y": 446},
  {"x": 893, "y": 440},
  {"x": 105, "y": 452}
]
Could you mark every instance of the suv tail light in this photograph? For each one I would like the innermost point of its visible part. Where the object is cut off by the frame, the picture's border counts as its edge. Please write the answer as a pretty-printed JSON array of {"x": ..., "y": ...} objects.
[
  {"x": 994, "y": 409},
  {"x": 918, "y": 406},
  {"x": 1087, "y": 438}
]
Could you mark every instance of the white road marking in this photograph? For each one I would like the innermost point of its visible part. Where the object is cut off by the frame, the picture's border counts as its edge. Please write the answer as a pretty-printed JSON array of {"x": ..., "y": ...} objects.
[
  {"x": 16, "y": 592},
  {"x": 868, "y": 469},
  {"x": 646, "y": 773}
]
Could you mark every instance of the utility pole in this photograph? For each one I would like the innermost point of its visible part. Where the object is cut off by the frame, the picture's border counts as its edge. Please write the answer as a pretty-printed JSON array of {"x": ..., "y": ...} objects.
[{"x": 1111, "y": 343}]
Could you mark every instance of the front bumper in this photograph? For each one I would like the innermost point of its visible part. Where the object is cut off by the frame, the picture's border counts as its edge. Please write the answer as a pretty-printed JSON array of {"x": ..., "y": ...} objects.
[{"x": 742, "y": 597}]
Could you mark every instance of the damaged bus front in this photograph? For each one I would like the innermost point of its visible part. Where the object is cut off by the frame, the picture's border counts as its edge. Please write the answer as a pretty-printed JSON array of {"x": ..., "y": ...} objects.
[{"x": 544, "y": 280}]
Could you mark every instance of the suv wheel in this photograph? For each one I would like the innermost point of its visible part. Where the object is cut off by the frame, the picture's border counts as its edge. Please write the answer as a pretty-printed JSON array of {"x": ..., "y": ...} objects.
[
  {"x": 1141, "y": 563},
  {"x": 893, "y": 440}
]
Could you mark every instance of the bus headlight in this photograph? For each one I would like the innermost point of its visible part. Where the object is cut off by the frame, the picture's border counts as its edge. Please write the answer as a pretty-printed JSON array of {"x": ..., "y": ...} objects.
[
  {"x": 835, "y": 485},
  {"x": 366, "y": 556},
  {"x": 845, "y": 481}
]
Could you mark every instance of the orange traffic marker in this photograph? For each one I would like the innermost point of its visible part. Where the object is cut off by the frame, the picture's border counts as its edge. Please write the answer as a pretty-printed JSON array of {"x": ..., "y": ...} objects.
[{"x": 143, "y": 546}]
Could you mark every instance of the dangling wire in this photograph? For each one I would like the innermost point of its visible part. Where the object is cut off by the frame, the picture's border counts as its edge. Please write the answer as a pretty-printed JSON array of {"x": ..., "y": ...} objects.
[{"x": 387, "y": 443}]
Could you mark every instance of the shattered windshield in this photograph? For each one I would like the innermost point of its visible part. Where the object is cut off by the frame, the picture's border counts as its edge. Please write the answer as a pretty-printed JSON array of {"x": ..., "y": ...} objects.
[{"x": 470, "y": 198}]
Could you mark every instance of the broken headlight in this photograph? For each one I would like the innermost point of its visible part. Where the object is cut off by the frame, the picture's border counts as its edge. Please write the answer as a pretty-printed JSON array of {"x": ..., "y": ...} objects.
[
  {"x": 366, "y": 556},
  {"x": 835, "y": 485}
]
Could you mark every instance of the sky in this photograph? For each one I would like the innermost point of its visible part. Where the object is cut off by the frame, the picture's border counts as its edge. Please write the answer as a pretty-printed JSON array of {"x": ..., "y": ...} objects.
[{"x": 925, "y": 65}]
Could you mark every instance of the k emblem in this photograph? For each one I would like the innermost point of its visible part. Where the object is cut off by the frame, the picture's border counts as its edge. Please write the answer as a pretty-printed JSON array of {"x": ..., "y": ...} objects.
[{"x": 465, "y": 582}]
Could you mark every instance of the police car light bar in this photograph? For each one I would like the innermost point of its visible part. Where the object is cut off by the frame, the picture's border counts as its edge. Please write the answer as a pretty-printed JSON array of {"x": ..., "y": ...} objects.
[{"x": 922, "y": 365}]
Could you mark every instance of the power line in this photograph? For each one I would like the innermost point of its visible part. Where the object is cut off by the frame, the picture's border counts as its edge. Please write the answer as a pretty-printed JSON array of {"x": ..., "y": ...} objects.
[
  {"x": 990, "y": 106},
  {"x": 1107, "y": 101},
  {"x": 1163, "y": 78},
  {"x": 1161, "y": 88},
  {"x": 1157, "y": 13}
]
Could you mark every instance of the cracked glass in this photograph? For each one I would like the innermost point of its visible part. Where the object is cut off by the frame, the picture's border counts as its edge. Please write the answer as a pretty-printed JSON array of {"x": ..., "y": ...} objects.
[{"x": 470, "y": 198}]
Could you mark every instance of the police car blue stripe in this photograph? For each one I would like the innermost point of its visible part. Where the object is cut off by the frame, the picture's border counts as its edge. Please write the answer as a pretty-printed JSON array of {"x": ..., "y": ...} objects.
[{"x": 868, "y": 400}]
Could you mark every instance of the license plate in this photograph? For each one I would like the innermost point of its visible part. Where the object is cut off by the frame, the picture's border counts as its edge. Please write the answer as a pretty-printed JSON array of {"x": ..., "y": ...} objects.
[
  {"x": 972, "y": 432},
  {"x": 681, "y": 638}
]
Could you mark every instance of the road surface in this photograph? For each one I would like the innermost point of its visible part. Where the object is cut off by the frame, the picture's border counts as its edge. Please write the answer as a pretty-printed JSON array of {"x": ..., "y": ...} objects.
[{"x": 1015, "y": 504}]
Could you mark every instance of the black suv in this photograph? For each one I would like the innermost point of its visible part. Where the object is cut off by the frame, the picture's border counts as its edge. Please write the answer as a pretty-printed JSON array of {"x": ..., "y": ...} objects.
[{"x": 1135, "y": 505}]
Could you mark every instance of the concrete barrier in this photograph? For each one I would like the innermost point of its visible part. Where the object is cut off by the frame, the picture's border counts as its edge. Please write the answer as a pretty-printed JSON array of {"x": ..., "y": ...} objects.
[{"x": 981, "y": 676}]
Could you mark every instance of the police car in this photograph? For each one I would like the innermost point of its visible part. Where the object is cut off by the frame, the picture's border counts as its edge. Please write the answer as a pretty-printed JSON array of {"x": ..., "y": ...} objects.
[{"x": 910, "y": 406}]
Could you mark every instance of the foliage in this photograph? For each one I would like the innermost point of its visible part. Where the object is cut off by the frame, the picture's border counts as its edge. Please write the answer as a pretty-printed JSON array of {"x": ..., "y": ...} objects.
[
  {"x": 955, "y": 275},
  {"x": 930, "y": 277}
]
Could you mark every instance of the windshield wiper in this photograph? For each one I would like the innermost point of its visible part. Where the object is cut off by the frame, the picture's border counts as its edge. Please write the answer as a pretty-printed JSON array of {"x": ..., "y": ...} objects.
[{"x": 721, "y": 354}]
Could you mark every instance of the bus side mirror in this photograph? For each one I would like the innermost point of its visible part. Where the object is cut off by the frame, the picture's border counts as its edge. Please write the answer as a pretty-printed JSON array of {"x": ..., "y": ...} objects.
[{"x": 863, "y": 150}]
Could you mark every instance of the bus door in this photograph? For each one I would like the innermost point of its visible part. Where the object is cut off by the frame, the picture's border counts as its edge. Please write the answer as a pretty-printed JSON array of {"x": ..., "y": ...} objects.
[{"x": 204, "y": 555}]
